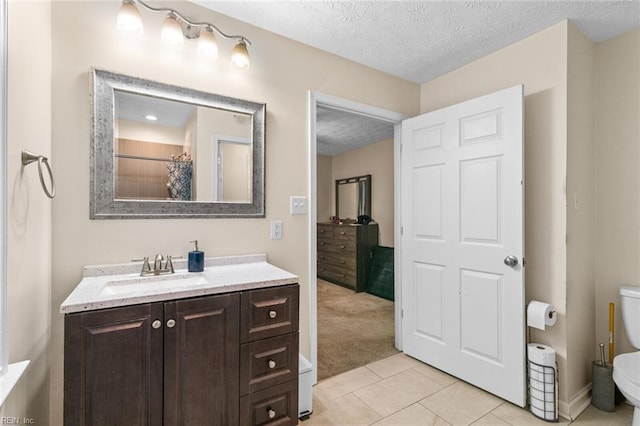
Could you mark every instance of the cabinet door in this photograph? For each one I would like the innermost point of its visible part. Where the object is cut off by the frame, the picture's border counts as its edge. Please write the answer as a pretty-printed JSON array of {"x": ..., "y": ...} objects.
[
  {"x": 202, "y": 344},
  {"x": 113, "y": 367}
]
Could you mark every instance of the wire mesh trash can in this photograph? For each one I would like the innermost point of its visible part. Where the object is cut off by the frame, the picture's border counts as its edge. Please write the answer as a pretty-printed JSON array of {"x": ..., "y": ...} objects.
[{"x": 543, "y": 391}]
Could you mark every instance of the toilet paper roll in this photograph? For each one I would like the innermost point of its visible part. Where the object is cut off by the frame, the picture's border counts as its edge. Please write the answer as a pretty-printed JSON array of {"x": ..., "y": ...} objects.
[
  {"x": 541, "y": 355},
  {"x": 540, "y": 315}
]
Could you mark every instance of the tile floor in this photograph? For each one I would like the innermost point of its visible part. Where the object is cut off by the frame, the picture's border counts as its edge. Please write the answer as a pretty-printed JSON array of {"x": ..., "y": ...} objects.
[{"x": 400, "y": 390}]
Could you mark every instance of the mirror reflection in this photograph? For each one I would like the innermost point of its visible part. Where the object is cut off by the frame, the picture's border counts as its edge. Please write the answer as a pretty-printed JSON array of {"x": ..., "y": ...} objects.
[
  {"x": 162, "y": 151},
  {"x": 168, "y": 150},
  {"x": 353, "y": 197}
]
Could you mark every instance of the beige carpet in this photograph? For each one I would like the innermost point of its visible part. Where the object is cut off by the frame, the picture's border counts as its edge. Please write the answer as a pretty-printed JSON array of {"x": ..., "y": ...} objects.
[{"x": 354, "y": 329}]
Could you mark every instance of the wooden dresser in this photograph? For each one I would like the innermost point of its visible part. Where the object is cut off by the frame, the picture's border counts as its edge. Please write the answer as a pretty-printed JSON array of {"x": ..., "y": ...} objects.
[{"x": 344, "y": 253}]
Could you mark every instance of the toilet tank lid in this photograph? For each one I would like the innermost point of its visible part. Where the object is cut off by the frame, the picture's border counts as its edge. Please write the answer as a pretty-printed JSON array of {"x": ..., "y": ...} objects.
[{"x": 630, "y": 291}]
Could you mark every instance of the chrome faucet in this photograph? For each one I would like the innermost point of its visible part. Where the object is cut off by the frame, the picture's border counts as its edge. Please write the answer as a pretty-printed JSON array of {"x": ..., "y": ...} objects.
[{"x": 158, "y": 266}]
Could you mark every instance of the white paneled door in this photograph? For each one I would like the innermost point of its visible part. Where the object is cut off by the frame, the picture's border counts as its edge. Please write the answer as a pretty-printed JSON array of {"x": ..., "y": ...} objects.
[{"x": 463, "y": 244}]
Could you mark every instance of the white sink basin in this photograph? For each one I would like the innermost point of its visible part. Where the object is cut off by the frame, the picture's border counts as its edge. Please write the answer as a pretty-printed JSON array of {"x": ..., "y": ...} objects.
[{"x": 152, "y": 283}]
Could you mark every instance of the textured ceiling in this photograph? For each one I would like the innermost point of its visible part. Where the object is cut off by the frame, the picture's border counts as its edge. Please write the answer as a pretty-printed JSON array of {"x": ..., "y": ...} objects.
[
  {"x": 416, "y": 40},
  {"x": 339, "y": 131},
  {"x": 420, "y": 40}
]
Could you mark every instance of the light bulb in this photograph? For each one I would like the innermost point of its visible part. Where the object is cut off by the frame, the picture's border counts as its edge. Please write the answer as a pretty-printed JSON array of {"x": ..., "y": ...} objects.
[
  {"x": 207, "y": 45},
  {"x": 240, "y": 55},
  {"x": 129, "y": 19},
  {"x": 171, "y": 31}
]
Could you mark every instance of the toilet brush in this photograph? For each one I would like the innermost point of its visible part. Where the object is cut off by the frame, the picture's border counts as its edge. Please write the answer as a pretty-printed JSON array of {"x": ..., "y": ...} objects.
[{"x": 611, "y": 319}]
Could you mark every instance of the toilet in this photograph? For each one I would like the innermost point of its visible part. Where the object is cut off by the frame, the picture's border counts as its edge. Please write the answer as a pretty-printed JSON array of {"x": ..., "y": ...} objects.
[{"x": 626, "y": 367}]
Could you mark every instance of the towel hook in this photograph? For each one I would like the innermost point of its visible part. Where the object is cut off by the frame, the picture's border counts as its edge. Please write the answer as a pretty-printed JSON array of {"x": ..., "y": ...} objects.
[{"x": 28, "y": 158}]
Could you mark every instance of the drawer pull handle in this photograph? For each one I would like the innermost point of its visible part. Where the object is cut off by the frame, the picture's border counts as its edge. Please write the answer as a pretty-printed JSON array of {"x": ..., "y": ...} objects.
[
  {"x": 156, "y": 324},
  {"x": 171, "y": 323},
  {"x": 342, "y": 233},
  {"x": 272, "y": 364},
  {"x": 271, "y": 413},
  {"x": 273, "y": 314}
]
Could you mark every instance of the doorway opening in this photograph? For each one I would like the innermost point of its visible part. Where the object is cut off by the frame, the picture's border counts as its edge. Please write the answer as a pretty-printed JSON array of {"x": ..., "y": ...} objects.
[{"x": 330, "y": 116}]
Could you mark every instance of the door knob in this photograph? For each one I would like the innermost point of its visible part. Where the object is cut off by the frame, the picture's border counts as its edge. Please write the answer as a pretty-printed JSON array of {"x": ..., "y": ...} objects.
[{"x": 511, "y": 261}]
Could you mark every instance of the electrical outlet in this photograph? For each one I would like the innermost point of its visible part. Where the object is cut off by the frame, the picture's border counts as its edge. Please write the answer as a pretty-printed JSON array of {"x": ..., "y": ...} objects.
[
  {"x": 276, "y": 229},
  {"x": 298, "y": 205}
]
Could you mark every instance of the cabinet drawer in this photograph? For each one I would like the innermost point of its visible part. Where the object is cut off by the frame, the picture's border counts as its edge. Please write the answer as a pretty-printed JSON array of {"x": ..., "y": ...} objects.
[
  {"x": 274, "y": 406},
  {"x": 268, "y": 362},
  {"x": 269, "y": 312}
]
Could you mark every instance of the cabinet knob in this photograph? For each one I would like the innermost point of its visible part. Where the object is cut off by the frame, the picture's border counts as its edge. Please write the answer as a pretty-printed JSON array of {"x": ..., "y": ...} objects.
[
  {"x": 156, "y": 324},
  {"x": 272, "y": 364},
  {"x": 342, "y": 246},
  {"x": 171, "y": 323},
  {"x": 271, "y": 413},
  {"x": 273, "y": 314}
]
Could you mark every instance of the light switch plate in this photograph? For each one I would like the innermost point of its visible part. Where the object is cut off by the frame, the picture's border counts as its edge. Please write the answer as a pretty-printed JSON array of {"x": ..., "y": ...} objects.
[{"x": 298, "y": 205}]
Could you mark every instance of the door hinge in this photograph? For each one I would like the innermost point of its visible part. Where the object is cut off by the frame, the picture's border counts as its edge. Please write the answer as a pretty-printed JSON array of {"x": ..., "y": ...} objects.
[
  {"x": 401, "y": 313},
  {"x": 524, "y": 262},
  {"x": 401, "y": 230}
]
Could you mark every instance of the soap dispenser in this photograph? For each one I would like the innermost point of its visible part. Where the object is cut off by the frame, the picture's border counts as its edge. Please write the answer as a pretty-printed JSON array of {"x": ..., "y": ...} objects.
[{"x": 196, "y": 259}]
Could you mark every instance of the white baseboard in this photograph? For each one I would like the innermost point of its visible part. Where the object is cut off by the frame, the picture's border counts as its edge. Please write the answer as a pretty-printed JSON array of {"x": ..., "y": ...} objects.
[{"x": 571, "y": 410}]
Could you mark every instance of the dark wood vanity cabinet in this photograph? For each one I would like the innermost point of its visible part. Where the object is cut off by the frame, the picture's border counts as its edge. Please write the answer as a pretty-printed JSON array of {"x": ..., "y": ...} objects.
[
  {"x": 344, "y": 253},
  {"x": 184, "y": 362}
]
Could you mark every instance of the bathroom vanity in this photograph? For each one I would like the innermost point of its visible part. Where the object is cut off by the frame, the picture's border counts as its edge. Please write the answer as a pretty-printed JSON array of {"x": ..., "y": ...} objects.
[{"x": 217, "y": 348}]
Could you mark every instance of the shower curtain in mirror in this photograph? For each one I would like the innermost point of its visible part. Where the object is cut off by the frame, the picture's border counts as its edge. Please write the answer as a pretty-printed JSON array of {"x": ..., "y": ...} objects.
[{"x": 180, "y": 171}]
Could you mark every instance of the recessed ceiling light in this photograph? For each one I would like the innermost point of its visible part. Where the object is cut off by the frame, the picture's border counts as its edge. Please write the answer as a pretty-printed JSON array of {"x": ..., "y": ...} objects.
[{"x": 151, "y": 117}]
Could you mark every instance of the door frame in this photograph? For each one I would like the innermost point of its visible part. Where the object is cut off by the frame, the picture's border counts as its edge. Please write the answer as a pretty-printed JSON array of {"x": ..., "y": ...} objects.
[
  {"x": 315, "y": 99},
  {"x": 218, "y": 184}
]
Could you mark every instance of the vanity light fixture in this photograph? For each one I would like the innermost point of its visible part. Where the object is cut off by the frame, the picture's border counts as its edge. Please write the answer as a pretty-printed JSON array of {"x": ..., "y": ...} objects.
[{"x": 176, "y": 28}]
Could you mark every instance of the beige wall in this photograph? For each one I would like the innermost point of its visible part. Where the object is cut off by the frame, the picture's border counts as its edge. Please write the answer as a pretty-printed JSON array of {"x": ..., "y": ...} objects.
[
  {"x": 617, "y": 136},
  {"x": 127, "y": 129},
  {"x": 580, "y": 213},
  {"x": 29, "y": 210},
  {"x": 539, "y": 62},
  {"x": 377, "y": 160},
  {"x": 210, "y": 123},
  {"x": 281, "y": 74}
]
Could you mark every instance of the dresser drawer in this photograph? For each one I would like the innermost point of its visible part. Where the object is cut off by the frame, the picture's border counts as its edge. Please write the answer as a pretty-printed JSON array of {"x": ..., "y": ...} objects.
[
  {"x": 274, "y": 406},
  {"x": 268, "y": 362},
  {"x": 325, "y": 231},
  {"x": 269, "y": 312},
  {"x": 340, "y": 247},
  {"x": 334, "y": 260},
  {"x": 334, "y": 274},
  {"x": 344, "y": 232}
]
